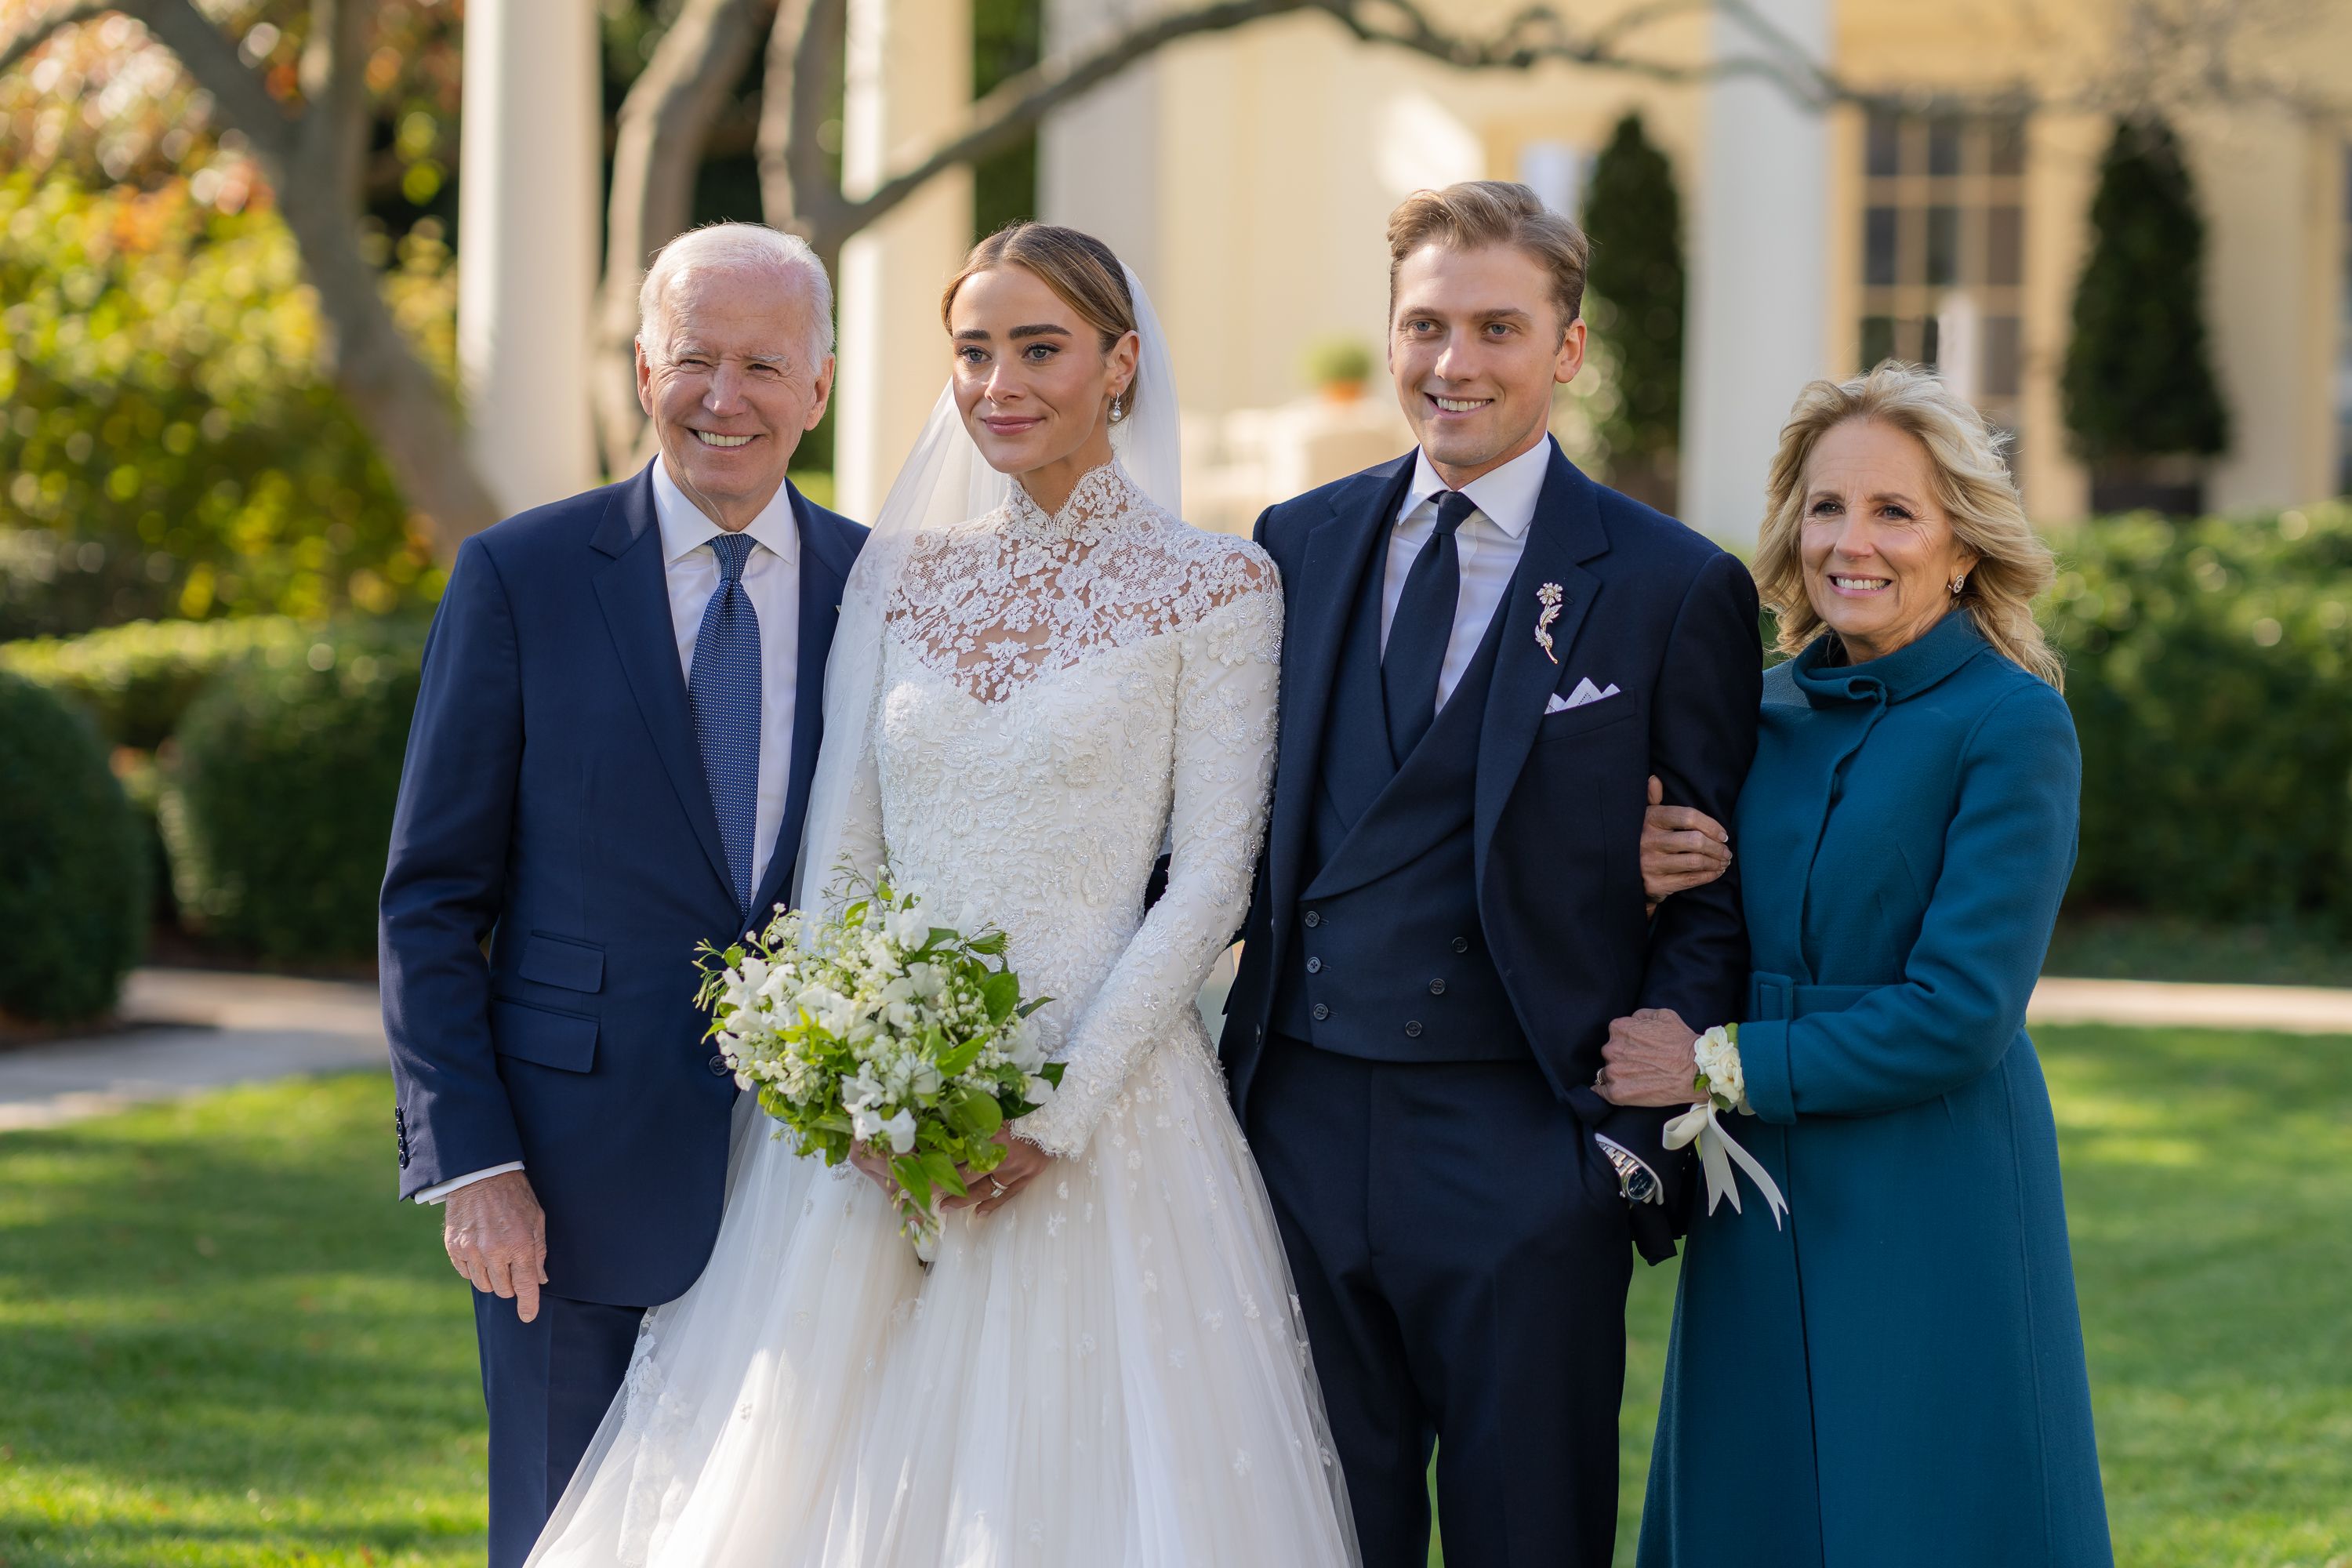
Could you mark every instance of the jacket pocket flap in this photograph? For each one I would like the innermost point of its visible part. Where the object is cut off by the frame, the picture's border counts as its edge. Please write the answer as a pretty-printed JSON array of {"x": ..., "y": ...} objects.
[
  {"x": 551, "y": 1039},
  {"x": 558, "y": 961}
]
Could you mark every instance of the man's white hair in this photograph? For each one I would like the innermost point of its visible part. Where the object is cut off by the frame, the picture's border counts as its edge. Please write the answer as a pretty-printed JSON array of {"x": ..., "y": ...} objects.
[{"x": 736, "y": 248}]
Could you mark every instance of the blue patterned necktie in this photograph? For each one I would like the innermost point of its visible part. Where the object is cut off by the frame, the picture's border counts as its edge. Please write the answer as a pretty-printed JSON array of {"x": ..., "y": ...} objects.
[
  {"x": 1421, "y": 627},
  {"x": 723, "y": 688}
]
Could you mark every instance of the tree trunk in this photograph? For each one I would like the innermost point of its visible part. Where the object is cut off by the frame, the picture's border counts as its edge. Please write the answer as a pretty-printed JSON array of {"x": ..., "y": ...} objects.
[{"x": 664, "y": 123}]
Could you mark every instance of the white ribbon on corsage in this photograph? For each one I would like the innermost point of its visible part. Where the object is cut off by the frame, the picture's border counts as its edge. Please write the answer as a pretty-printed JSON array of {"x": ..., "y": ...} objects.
[{"x": 1718, "y": 1153}]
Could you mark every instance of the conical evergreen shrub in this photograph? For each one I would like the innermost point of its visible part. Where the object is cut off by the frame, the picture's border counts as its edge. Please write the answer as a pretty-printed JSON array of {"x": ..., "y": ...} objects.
[
  {"x": 1634, "y": 215},
  {"x": 2138, "y": 381}
]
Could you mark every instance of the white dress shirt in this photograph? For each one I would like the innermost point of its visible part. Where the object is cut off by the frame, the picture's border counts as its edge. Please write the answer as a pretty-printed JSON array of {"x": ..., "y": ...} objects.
[
  {"x": 1489, "y": 543},
  {"x": 771, "y": 576}
]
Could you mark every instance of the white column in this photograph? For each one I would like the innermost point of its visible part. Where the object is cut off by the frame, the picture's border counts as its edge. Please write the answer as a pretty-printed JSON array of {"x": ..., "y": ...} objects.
[
  {"x": 1760, "y": 277},
  {"x": 909, "y": 82},
  {"x": 527, "y": 244}
]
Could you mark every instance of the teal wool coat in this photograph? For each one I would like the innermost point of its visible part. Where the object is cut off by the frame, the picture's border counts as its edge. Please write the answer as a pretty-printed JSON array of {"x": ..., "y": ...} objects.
[{"x": 1895, "y": 1376}]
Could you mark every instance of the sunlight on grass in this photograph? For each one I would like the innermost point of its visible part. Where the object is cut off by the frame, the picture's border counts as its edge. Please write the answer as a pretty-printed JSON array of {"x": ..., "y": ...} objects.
[{"x": 224, "y": 1346}]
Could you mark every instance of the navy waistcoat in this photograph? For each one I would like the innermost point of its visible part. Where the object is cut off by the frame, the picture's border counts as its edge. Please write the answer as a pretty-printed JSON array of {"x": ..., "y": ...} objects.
[{"x": 1388, "y": 961}]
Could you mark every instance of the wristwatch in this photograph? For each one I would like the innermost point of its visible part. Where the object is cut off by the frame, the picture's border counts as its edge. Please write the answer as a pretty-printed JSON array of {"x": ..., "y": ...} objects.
[{"x": 1636, "y": 1182}]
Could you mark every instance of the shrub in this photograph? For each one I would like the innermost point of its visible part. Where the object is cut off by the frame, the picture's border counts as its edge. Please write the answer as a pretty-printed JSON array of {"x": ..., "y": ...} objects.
[
  {"x": 278, "y": 804},
  {"x": 137, "y": 679},
  {"x": 2207, "y": 667},
  {"x": 1633, "y": 214},
  {"x": 73, "y": 868}
]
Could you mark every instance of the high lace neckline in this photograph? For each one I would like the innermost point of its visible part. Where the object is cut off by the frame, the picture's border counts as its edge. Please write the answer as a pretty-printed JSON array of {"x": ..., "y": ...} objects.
[{"x": 1103, "y": 500}]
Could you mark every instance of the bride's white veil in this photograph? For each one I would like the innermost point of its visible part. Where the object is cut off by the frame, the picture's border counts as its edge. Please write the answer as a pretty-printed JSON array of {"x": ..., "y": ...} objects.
[{"x": 945, "y": 482}]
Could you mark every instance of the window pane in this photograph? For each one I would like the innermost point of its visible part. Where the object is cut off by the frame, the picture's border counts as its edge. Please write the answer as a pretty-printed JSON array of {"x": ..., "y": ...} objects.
[
  {"x": 1929, "y": 341},
  {"x": 1877, "y": 340},
  {"x": 2008, "y": 147},
  {"x": 1885, "y": 144},
  {"x": 1943, "y": 245},
  {"x": 1943, "y": 146},
  {"x": 2001, "y": 336},
  {"x": 2005, "y": 247},
  {"x": 1878, "y": 246}
]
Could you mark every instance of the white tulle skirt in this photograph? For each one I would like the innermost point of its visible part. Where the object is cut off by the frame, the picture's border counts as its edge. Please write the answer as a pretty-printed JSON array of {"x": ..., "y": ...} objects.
[{"x": 1107, "y": 1372}]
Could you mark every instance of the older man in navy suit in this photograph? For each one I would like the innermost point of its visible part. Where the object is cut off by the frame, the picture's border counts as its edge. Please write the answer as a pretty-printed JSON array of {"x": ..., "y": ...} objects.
[
  {"x": 1487, "y": 657},
  {"x": 610, "y": 763}
]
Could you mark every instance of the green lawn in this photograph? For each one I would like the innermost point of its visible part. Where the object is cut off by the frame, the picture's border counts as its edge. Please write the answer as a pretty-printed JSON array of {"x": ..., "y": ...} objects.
[{"x": 221, "y": 1343}]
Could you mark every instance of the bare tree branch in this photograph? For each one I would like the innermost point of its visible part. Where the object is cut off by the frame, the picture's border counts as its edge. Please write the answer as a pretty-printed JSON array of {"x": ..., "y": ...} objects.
[
  {"x": 665, "y": 124},
  {"x": 242, "y": 103},
  {"x": 797, "y": 188},
  {"x": 42, "y": 28},
  {"x": 333, "y": 143}
]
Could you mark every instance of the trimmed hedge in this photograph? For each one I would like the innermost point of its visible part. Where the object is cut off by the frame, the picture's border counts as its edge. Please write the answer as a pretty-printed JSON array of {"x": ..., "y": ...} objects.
[
  {"x": 137, "y": 679},
  {"x": 73, "y": 864},
  {"x": 276, "y": 806},
  {"x": 2210, "y": 671}
]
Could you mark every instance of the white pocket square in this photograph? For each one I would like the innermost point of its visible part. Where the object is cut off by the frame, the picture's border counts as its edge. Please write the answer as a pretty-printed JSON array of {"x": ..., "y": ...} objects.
[{"x": 1585, "y": 693}]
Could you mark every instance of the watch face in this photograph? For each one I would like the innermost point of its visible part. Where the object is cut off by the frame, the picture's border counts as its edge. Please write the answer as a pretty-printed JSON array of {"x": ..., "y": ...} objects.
[{"x": 1641, "y": 1187}]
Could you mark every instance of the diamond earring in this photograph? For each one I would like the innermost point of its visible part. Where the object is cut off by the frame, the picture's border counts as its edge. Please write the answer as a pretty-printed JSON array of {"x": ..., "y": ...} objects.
[{"x": 1959, "y": 583}]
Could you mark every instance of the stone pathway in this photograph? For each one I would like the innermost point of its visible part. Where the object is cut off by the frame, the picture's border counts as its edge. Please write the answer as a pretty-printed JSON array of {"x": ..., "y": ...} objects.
[{"x": 199, "y": 1029}]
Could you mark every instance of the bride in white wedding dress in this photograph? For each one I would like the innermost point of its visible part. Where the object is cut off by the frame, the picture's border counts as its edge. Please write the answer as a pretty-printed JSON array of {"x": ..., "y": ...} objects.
[{"x": 1036, "y": 686}]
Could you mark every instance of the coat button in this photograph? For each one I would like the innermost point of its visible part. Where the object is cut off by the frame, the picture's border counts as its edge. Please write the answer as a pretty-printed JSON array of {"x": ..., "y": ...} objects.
[
  {"x": 1437, "y": 988},
  {"x": 1461, "y": 944},
  {"x": 718, "y": 1067},
  {"x": 1314, "y": 966},
  {"x": 1413, "y": 1030},
  {"x": 1322, "y": 1011},
  {"x": 1313, "y": 920}
]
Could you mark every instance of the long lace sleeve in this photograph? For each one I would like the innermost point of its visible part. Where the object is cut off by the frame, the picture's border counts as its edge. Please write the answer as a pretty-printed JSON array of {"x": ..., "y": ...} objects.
[{"x": 1224, "y": 766}]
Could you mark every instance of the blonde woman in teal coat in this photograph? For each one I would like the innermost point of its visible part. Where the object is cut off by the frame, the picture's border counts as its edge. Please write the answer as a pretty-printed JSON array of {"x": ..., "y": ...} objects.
[{"x": 1893, "y": 1374}]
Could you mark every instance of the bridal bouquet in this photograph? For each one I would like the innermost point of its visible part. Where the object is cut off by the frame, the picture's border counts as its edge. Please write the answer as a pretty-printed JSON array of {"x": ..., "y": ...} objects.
[
  {"x": 1722, "y": 1086},
  {"x": 879, "y": 1028}
]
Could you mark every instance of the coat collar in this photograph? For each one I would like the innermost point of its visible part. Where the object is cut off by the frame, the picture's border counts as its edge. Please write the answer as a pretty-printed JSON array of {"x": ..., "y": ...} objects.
[{"x": 1924, "y": 662}]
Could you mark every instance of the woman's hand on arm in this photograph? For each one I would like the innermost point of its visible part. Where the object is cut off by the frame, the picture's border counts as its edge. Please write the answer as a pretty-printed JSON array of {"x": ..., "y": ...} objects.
[
  {"x": 1682, "y": 848},
  {"x": 1651, "y": 1059}
]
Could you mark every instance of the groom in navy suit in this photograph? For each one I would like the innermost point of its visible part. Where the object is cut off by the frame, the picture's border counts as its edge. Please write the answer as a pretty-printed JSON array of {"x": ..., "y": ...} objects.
[
  {"x": 1485, "y": 657},
  {"x": 610, "y": 763}
]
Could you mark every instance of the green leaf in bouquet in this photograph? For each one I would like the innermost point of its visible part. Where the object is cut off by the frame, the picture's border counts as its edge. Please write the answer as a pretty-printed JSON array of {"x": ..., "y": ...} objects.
[
  {"x": 942, "y": 1172},
  {"x": 1002, "y": 991},
  {"x": 911, "y": 1174},
  {"x": 985, "y": 1157},
  {"x": 991, "y": 943},
  {"x": 1028, "y": 1007},
  {"x": 953, "y": 1062},
  {"x": 977, "y": 1115},
  {"x": 1052, "y": 1073}
]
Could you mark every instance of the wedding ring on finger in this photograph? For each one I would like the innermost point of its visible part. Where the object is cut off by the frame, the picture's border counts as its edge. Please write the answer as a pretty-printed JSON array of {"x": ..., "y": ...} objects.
[{"x": 997, "y": 1187}]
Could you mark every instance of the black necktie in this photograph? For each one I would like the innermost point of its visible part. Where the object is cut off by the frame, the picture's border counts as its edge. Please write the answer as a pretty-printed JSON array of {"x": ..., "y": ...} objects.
[{"x": 1424, "y": 625}]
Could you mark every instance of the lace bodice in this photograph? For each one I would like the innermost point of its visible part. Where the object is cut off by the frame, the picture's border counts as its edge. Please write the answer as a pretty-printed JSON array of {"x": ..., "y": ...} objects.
[{"x": 1061, "y": 695}]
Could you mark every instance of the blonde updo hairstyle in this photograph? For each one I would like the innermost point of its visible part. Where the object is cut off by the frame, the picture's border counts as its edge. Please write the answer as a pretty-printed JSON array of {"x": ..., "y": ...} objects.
[
  {"x": 1082, "y": 271},
  {"x": 1973, "y": 487}
]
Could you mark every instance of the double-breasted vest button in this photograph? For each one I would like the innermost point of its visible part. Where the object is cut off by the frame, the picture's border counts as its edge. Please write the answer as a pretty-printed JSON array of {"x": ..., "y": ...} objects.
[
  {"x": 1313, "y": 920},
  {"x": 1314, "y": 966},
  {"x": 1461, "y": 944},
  {"x": 1322, "y": 1011},
  {"x": 1413, "y": 1030},
  {"x": 718, "y": 1066},
  {"x": 1437, "y": 988}
]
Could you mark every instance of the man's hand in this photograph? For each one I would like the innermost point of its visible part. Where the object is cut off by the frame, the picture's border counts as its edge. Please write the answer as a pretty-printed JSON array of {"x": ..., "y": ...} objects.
[
  {"x": 1652, "y": 1059},
  {"x": 1681, "y": 848},
  {"x": 496, "y": 1238}
]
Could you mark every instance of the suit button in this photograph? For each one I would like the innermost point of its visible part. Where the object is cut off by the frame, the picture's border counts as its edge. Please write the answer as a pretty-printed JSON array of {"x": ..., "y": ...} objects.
[
  {"x": 1314, "y": 966},
  {"x": 718, "y": 1066},
  {"x": 1461, "y": 944},
  {"x": 1322, "y": 1011},
  {"x": 1413, "y": 1030},
  {"x": 1437, "y": 988},
  {"x": 1313, "y": 920}
]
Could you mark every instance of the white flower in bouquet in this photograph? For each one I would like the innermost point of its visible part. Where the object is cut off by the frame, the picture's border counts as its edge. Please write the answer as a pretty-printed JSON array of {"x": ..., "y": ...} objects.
[
  {"x": 1719, "y": 1071},
  {"x": 883, "y": 1026}
]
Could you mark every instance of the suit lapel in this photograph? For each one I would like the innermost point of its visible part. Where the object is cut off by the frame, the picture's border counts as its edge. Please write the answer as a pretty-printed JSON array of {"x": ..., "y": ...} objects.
[
  {"x": 823, "y": 570},
  {"x": 1567, "y": 530},
  {"x": 1339, "y": 552},
  {"x": 633, "y": 589}
]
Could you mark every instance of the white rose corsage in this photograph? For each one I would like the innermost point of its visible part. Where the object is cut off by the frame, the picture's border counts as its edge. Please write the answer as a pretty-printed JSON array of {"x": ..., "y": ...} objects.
[{"x": 1722, "y": 1086}]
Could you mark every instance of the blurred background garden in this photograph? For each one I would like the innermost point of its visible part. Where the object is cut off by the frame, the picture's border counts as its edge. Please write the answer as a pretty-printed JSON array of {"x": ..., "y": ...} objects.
[{"x": 277, "y": 333}]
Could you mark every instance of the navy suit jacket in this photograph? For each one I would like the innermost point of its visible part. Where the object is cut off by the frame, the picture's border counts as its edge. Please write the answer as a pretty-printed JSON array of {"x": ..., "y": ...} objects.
[
  {"x": 1647, "y": 605},
  {"x": 555, "y": 858}
]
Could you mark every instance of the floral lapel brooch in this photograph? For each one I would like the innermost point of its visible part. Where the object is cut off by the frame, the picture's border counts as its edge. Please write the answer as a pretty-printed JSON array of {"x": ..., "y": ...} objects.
[{"x": 1548, "y": 596}]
